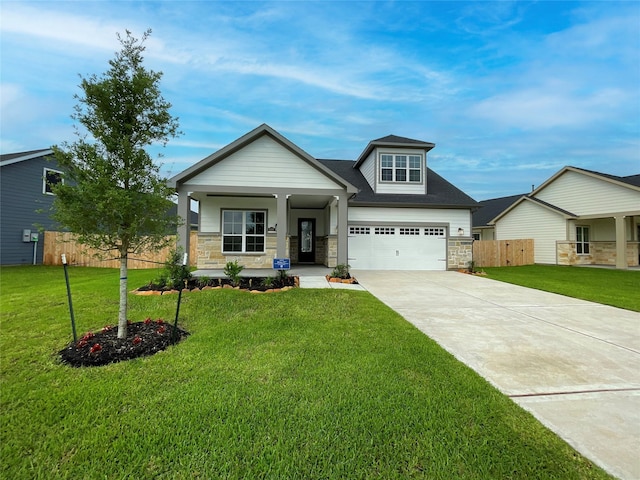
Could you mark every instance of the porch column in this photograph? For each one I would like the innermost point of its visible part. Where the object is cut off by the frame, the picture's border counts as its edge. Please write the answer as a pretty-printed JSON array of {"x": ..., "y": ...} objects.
[
  {"x": 184, "y": 230},
  {"x": 281, "y": 230},
  {"x": 343, "y": 233},
  {"x": 621, "y": 243}
]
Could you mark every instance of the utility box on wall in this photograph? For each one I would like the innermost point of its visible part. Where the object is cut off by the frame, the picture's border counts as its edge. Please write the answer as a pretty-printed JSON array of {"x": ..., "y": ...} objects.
[
  {"x": 34, "y": 237},
  {"x": 26, "y": 235}
]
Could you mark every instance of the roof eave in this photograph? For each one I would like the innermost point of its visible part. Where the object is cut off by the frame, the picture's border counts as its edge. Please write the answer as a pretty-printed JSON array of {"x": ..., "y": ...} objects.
[
  {"x": 246, "y": 139},
  {"x": 36, "y": 154},
  {"x": 426, "y": 146}
]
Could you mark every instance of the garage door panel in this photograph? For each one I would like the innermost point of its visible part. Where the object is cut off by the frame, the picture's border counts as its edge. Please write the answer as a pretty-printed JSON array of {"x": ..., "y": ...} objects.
[{"x": 384, "y": 248}]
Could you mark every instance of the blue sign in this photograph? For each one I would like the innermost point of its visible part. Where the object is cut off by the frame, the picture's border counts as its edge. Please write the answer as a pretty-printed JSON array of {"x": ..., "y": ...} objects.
[{"x": 281, "y": 263}]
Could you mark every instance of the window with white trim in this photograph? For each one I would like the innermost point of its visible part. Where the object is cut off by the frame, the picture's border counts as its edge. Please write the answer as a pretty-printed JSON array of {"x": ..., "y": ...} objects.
[
  {"x": 384, "y": 231},
  {"x": 359, "y": 230},
  {"x": 243, "y": 231},
  {"x": 50, "y": 178},
  {"x": 434, "y": 231},
  {"x": 582, "y": 240},
  {"x": 409, "y": 231},
  {"x": 400, "y": 168}
]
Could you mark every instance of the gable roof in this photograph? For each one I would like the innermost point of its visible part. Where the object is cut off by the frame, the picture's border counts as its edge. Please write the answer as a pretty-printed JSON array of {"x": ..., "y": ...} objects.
[
  {"x": 245, "y": 140},
  {"x": 489, "y": 209},
  {"x": 10, "y": 158},
  {"x": 392, "y": 141},
  {"x": 537, "y": 201},
  {"x": 631, "y": 181},
  {"x": 441, "y": 193}
]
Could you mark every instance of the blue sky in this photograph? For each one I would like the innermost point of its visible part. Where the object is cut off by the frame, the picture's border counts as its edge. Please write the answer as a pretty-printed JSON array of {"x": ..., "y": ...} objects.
[{"x": 510, "y": 92}]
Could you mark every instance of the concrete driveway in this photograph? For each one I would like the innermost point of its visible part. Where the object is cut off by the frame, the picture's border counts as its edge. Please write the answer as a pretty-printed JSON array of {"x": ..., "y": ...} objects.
[{"x": 575, "y": 365}]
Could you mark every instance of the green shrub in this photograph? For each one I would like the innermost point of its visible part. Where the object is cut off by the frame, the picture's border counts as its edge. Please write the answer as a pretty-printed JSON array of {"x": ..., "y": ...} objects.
[
  {"x": 341, "y": 271},
  {"x": 175, "y": 274},
  {"x": 232, "y": 271}
]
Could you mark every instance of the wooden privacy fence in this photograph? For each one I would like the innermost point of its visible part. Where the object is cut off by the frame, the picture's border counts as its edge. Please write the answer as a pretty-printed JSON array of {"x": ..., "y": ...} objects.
[
  {"x": 503, "y": 253},
  {"x": 57, "y": 243}
]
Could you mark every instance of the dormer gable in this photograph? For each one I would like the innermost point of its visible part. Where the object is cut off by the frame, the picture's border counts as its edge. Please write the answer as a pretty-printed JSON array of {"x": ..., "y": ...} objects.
[{"x": 396, "y": 165}]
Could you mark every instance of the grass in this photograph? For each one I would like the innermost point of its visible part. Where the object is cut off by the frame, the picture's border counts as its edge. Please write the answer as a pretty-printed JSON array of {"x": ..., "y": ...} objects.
[
  {"x": 303, "y": 384},
  {"x": 618, "y": 288}
]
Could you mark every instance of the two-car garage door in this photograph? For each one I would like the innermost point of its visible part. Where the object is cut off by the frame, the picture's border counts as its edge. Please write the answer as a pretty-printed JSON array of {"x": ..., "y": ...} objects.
[{"x": 397, "y": 248}]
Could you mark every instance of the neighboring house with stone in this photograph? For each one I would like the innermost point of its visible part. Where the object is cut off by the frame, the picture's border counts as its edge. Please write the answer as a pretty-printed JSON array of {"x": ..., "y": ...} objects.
[
  {"x": 262, "y": 197},
  {"x": 578, "y": 217},
  {"x": 25, "y": 200}
]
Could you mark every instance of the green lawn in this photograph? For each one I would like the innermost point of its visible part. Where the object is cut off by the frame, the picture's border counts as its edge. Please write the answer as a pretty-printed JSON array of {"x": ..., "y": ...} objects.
[
  {"x": 304, "y": 384},
  {"x": 607, "y": 286}
]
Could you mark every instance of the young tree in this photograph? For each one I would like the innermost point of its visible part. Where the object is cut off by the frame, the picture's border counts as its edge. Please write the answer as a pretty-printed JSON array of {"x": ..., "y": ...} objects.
[{"x": 115, "y": 198}]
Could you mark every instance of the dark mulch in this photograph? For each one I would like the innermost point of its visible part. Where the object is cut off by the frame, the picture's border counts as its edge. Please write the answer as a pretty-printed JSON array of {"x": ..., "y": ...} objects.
[
  {"x": 246, "y": 283},
  {"x": 104, "y": 347}
]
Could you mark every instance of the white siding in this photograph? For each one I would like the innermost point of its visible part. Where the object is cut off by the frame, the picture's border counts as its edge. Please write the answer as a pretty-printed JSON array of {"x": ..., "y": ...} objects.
[
  {"x": 455, "y": 218},
  {"x": 368, "y": 169},
  {"x": 403, "y": 187},
  {"x": 264, "y": 163},
  {"x": 584, "y": 195},
  {"x": 532, "y": 221},
  {"x": 210, "y": 210}
]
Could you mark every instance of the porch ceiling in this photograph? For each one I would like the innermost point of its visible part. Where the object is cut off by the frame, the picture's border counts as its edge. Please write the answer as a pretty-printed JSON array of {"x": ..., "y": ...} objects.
[{"x": 309, "y": 201}]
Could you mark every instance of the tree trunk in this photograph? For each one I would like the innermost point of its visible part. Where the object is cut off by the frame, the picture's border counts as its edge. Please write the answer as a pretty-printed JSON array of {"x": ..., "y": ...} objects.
[{"x": 122, "y": 312}]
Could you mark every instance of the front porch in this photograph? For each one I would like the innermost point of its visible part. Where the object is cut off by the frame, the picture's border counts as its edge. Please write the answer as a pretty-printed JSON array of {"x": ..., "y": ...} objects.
[
  {"x": 600, "y": 254},
  {"x": 601, "y": 240}
]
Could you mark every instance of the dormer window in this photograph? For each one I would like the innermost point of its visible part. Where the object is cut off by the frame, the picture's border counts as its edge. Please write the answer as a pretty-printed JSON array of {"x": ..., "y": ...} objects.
[{"x": 400, "y": 168}]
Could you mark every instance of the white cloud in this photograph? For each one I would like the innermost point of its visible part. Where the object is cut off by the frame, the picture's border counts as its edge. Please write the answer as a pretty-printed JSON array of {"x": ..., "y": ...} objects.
[{"x": 58, "y": 29}]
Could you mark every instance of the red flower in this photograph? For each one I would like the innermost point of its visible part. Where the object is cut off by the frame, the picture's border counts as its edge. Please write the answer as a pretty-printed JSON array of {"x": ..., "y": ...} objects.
[
  {"x": 87, "y": 336},
  {"x": 159, "y": 321},
  {"x": 106, "y": 328},
  {"x": 161, "y": 330},
  {"x": 147, "y": 320},
  {"x": 136, "y": 340},
  {"x": 96, "y": 348},
  {"x": 82, "y": 343}
]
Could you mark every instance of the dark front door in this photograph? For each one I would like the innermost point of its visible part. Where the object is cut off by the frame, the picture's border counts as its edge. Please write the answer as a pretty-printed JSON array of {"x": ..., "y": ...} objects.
[{"x": 306, "y": 240}]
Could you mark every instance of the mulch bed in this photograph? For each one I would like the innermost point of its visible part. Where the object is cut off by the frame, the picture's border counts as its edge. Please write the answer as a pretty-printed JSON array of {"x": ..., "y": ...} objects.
[
  {"x": 104, "y": 347},
  {"x": 245, "y": 283}
]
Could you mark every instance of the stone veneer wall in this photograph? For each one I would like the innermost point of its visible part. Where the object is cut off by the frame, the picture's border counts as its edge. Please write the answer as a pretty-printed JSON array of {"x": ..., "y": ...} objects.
[
  {"x": 323, "y": 250},
  {"x": 331, "y": 251},
  {"x": 600, "y": 253},
  {"x": 460, "y": 253},
  {"x": 210, "y": 256}
]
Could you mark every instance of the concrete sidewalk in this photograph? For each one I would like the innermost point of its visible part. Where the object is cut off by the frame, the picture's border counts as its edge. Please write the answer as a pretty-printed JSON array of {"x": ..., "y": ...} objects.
[{"x": 575, "y": 365}]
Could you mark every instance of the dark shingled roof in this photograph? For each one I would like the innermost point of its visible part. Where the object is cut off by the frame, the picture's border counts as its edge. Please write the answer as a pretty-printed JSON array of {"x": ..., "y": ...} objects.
[
  {"x": 397, "y": 139},
  {"x": 631, "y": 180},
  {"x": 11, "y": 156},
  {"x": 490, "y": 209},
  {"x": 440, "y": 193}
]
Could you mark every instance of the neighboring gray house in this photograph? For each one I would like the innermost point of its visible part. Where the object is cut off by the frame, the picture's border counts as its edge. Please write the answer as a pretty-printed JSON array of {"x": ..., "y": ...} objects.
[
  {"x": 25, "y": 188},
  {"x": 262, "y": 197}
]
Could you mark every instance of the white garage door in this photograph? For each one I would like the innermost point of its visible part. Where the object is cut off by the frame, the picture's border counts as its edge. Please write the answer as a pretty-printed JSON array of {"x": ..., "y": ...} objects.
[{"x": 397, "y": 248}]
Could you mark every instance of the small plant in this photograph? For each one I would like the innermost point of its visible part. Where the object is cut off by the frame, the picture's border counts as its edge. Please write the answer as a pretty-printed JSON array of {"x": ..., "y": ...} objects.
[
  {"x": 472, "y": 267},
  {"x": 267, "y": 282},
  {"x": 282, "y": 275},
  {"x": 341, "y": 271},
  {"x": 232, "y": 271},
  {"x": 174, "y": 274}
]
